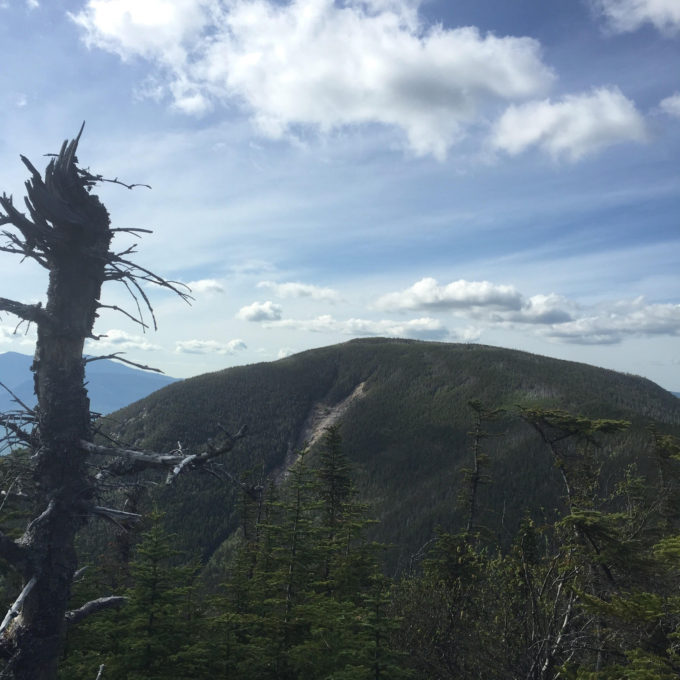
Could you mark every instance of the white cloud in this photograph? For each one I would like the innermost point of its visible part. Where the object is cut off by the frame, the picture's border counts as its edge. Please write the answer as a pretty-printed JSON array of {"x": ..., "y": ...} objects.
[
  {"x": 539, "y": 309},
  {"x": 622, "y": 320},
  {"x": 424, "y": 328},
  {"x": 209, "y": 347},
  {"x": 206, "y": 286},
  {"x": 552, "y": 316},
  {"x": 118, "y": 340},
  {"x": 32, "y": 4},
  {"x": 671, "y": 105},
  {"x": 260, "y": 311},
  {"x": 322, "y": 63},
  {"x": 428, "y": 294},
  {"x": 155, "y": 29},
  {"x": 573, "y": 127},
  {"x": 297, "y": 290},
  {"x": 629, "y": 15},
  {"x": 284, "y": 352}
]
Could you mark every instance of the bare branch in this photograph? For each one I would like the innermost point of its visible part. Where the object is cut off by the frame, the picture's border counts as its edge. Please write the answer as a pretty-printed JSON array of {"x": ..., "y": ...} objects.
[
  {"x": 14, "y": 432},
  {"x": 133, "y": 230},
  {"x": 116, "y": 308},
  {"x": 13, "y": 611},
  {"x": 100, "y": 604},
  {"x": 20, "y": 247},
  {"x": 116, "y": 357},
  {"x": 35, "y": 235},
  {"x": 34, "y": 313},
  {"x": 17, "y": 400},
  {"x": 255, "y": 492},
  {"x": 131, "y": 461},
  {"x": 78, "y": 575},
  {"x": 135, "y": 271},
  {"x": 112, "y": 513}
]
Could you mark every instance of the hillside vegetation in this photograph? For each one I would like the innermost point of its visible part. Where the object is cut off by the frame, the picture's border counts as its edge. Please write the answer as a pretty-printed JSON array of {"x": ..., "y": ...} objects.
[{"x": 406, "y": 431}]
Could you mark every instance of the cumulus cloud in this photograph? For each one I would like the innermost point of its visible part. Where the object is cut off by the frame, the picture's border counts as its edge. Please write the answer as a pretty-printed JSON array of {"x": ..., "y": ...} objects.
[
  {"x": 324, "y": 64},
  {"x": 147, "y": 29},
  {"x": 206, "y": 286},
  {"x": 622, "y": 320},
  {"x": 260, "y": 311},
  {"x": 210, "y": 347},
  {"x": 489, "y": 304},
  {"x": 299, "y": 290},
  {"x": 574, "y": 127},
  {"x": 428, "y": 294},
  {"x": 671, "y": 105},
  {"x": 629, "y": 15},
  {"x": 118, "y": 340},
  {"x": 539, "y": 309},
  {"x": 284, "y": 352},
  {"x": 423, "y": 328}
]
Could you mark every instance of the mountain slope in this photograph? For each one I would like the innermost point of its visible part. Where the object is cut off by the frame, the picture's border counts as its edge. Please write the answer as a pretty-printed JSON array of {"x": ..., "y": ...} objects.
[
  {"x": 402, "y": 408},
  {"x": 111, "y": 385}
]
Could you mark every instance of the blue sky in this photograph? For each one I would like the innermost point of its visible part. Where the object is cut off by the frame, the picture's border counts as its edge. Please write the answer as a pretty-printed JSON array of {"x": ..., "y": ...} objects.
[{"x": 468, "y": 171}]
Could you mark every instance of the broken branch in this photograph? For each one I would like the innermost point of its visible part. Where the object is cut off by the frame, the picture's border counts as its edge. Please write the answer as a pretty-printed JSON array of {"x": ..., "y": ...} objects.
[
  {"x": 100, "y": 604},
  {"x": 13, "y": 611},
  {"x": 116, "y": 357},
  {"x": 34, "y": 313},
  {"x": 131, "y": 461}
]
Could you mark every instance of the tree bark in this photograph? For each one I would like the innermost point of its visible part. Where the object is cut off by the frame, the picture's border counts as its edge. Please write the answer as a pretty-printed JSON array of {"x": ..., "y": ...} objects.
[
  {"x": 69, "y": 234},
  {"x": 77, "y": 248}
]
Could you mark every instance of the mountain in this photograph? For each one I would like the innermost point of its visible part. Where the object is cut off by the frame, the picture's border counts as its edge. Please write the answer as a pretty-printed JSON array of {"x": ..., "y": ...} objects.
[
  {"x": 402, "y": 408},
  {"x": 111, "y": 385}
]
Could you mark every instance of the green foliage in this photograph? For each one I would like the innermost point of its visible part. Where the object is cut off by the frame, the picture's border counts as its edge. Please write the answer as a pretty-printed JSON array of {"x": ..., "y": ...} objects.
[
  {"x": 304, "y": 598},
  {"x": 591, "y": 594},
  {"x": 562, "y": 560},
  {"x": 407, "y": 435},
  {"x": 150, "y": 637}
]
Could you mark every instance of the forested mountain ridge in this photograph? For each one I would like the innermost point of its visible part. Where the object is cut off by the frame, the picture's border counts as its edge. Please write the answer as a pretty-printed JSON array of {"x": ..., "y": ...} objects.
[{"x": 406, "y": 431}]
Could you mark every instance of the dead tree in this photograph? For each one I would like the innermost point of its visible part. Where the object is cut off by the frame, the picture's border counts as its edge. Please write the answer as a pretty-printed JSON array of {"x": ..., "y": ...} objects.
[{"x": 68, "y": 232}]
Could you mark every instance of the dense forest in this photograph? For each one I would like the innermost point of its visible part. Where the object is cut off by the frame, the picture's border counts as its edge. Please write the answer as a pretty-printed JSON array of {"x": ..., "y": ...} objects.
[
  {"x": 591, "y": 593},
  {"x": 399, "y": 510},
  {"x": 405, "y": 430}
]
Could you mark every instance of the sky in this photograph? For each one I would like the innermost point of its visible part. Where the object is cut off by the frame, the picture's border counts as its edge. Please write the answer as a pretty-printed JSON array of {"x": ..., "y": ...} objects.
[{"x": 477, "y": 171}]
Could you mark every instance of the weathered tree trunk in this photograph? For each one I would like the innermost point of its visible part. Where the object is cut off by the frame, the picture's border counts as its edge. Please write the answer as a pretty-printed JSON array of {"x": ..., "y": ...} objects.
[
  {"x": 69, "y": 234},
  {"x": 77, "y": 260}
]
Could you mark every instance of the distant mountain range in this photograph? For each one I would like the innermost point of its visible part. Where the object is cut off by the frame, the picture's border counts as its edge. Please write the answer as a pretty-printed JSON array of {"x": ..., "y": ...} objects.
[
  {"x": 403, "y": 411},
  {"x": 111, "y": 385}
]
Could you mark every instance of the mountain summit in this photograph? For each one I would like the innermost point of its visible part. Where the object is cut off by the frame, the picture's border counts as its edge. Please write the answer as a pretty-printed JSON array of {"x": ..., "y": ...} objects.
[{"x": 402, "y": 407}]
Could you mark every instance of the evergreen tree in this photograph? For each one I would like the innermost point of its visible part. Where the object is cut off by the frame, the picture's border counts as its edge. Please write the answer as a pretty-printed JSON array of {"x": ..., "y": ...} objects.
[{"x": 157, "y": 626}]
